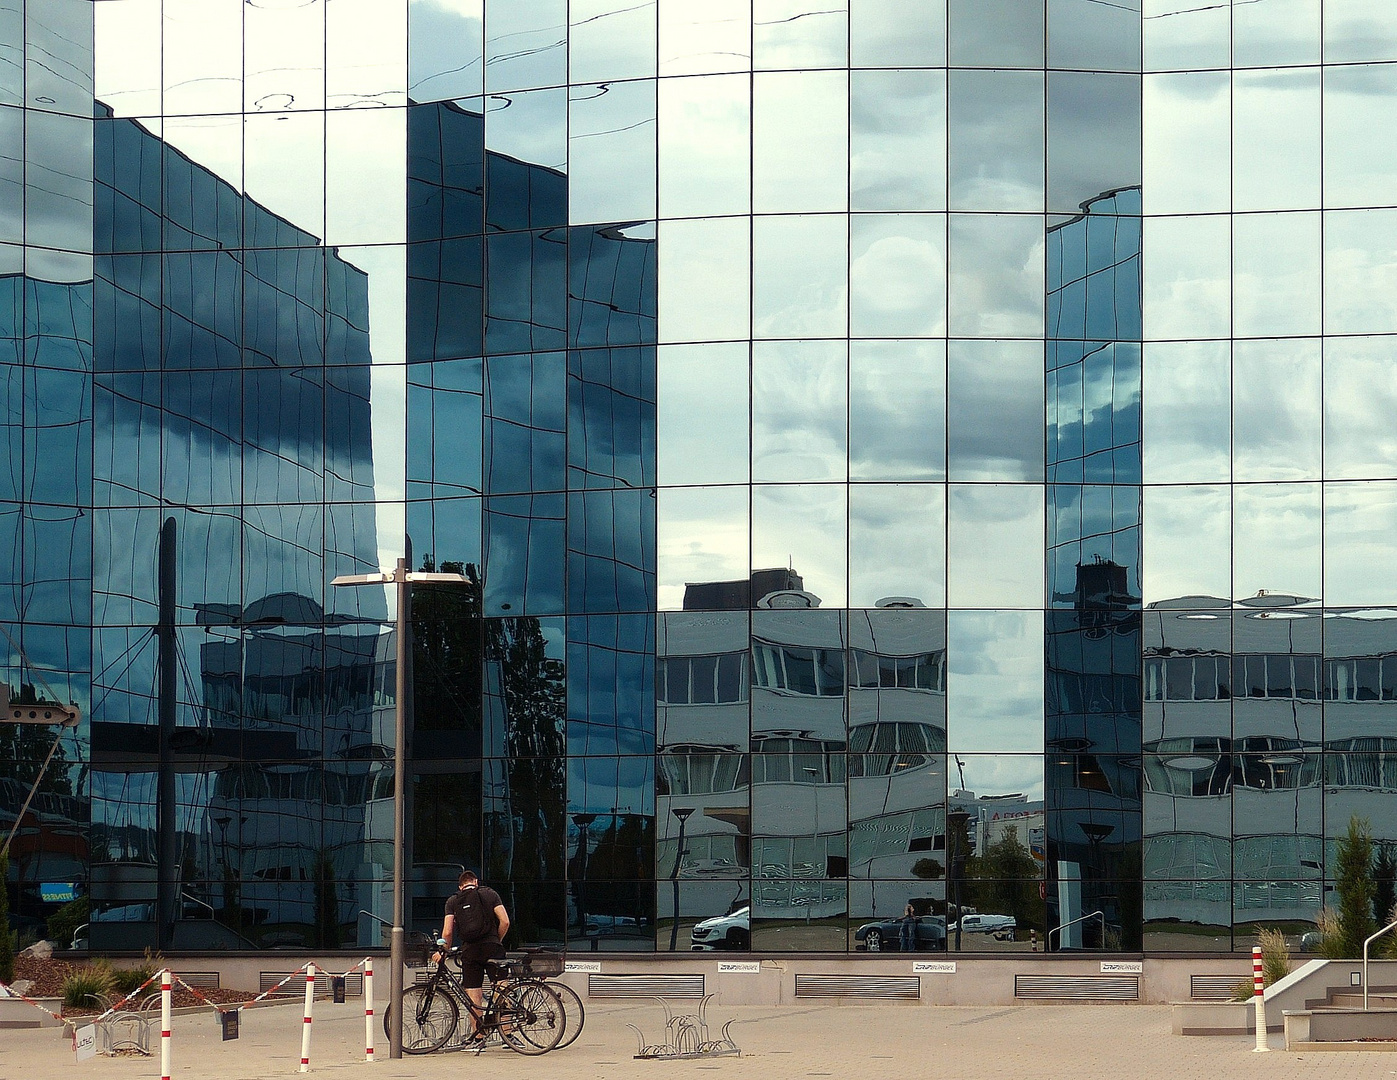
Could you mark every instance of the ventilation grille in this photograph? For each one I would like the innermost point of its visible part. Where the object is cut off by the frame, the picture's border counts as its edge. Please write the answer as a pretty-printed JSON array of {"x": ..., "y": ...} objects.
[
  {"x": 904, "y": 987},
  {"x": 201, "y": 980},
  {"x": 1077, "y": 987},
  {"x": 353, "y": 983},
  {"x": 1212, "y": 987},
  {"x": 645, "y": 986}
]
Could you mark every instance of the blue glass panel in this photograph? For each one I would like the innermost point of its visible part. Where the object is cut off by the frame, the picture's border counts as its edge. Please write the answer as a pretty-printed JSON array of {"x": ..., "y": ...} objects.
[
  {"x": 611, "y": 418},
  {"x": 523, "y": 539},
  {"x": 611, "y": 684},
  {"x": 611, "y": 551},
  {"x": 612, "y": 272},
  {"x": 526, "y": 300}
]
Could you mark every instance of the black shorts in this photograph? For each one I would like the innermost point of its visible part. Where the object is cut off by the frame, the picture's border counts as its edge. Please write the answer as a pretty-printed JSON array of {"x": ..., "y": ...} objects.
[{"x": 473, "y": 958}]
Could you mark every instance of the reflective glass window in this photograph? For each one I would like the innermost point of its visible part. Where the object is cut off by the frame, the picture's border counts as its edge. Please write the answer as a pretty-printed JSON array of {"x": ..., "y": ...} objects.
[
  {"x": 1186, "y": 412},
  {"x": 704, "y": 279},
  {"x": 897, "y": 410},
  {"x": 704, "y": 150},
  {"x": 897, "y": 275},
  {"x": 799, "y": 411},
  {"x": 800, "y": 272},
  {"x": 995, "y": 544},
  {"x": 800, "y": 138},
  {"x": 897, "y": 140}
]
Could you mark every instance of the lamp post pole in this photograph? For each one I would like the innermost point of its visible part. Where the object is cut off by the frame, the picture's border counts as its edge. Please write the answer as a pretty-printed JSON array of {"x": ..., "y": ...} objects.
[
  {"x": 682, "y": 813},
  {"x": 403, "y": 579},
  {"x": 582, "y": 821}
]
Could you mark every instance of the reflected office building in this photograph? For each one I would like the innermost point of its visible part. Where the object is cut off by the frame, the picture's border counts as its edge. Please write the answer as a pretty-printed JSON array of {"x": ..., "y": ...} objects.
[{"x": 899, "y": 454}]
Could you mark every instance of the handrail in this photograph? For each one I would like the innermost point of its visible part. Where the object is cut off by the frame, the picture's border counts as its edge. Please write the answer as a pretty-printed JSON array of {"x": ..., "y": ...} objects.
[
  {"x": 1074, "y": 922},
  {"x": 1385, "y": 929},
  {"x": 371, "y": 915},
  {"x": 184, "y": 895}
]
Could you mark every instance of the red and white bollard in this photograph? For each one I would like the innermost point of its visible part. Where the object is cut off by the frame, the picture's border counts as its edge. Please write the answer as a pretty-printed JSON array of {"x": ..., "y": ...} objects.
[
  {"x": 305, "y": 1027},
  {"x": 1259, "y": 984},
  {"x": 165, "y": 1024},
  {"x": 369, "y": 1009}
]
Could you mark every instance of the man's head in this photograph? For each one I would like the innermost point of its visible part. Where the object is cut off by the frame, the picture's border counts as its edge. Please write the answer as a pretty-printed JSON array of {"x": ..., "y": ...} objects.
[{"x": 467, "y": 879}]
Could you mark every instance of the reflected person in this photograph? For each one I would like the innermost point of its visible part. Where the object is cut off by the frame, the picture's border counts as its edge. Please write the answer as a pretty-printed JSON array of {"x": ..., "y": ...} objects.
[{"x": 908, "y": 940}]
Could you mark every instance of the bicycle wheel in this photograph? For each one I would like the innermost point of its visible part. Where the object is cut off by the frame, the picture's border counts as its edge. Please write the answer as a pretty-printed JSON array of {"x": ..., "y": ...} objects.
[
  {"x": 573, "y": 1012},
  {"x": 530, "y": 1018},
  {"x": 430, "y": 1016}
]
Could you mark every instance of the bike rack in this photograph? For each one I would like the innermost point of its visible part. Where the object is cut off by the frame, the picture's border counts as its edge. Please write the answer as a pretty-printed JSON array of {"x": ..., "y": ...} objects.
[
  {"x": 1385, "y": 929},
  {"x": 687, "y": 1036},
  {"x": 1059, "y": 929}
]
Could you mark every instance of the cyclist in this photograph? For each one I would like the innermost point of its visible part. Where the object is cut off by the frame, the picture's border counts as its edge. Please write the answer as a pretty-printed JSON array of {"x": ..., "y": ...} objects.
[{"x": 477, "y": 921}]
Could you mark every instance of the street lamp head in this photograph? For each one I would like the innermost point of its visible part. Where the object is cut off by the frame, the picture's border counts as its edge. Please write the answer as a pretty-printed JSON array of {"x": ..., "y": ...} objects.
[
  {"x": 682, "y": 813},
  {"x": 583, "y": 820}
]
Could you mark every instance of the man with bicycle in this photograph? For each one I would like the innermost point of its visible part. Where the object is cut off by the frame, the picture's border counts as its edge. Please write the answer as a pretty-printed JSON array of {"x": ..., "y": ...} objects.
[{"x": 476, "y": 919}]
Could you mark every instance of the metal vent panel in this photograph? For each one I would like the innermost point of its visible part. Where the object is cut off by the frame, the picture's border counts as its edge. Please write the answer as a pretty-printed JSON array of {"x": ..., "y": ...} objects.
[
  {"x": 1213, "y": 987},
  {"x": 644, "y": 986},
  {"x": 1077, "y": 987},
  {"x": 898, "y": 987},
  {"x": 200, "y": 980},
  {"x": 353, "y": 983}
]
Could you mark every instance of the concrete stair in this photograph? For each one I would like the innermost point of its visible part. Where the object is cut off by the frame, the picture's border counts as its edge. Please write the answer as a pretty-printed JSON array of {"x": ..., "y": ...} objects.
[{"x": 1379, "y": 997}]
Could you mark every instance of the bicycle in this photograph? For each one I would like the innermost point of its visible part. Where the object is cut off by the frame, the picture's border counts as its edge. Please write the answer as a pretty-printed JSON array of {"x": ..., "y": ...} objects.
[
  {"x": 542, "y": 966},
  {"x": 525, "y": 1014}
]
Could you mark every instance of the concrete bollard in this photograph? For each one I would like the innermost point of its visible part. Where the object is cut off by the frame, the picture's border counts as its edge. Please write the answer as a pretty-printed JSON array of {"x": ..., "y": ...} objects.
[
  {"x": 165, "y": 995},
  {"x": 369, "y": 1009},
  {"x": 305, "y": 1027},
  {"x": 1259, "y": 985}
]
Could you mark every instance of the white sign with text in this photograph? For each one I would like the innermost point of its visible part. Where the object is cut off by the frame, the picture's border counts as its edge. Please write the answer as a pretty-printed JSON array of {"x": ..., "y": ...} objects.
[
  {"x": 85, "y": 1042},
  {"x": 592, "y": 966},
  {"x": 1122, "y": 967},
  {"x": 934, "y": 967},
  {"x": 739, "y": 967}
]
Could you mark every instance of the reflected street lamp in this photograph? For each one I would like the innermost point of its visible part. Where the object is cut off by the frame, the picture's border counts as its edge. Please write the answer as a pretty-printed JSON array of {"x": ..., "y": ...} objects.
[
  {"x": 403, "y": 579},
  {"x": 682, "y": 813},
  {"x": 957, "y": 860},
  {"x": 582, "y": 821}
]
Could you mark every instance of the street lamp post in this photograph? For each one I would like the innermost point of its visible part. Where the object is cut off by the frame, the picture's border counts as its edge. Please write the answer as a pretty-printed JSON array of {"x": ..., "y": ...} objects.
[
  {"x": 403, "y": 579},
  {"x": 682, "y": 813}
]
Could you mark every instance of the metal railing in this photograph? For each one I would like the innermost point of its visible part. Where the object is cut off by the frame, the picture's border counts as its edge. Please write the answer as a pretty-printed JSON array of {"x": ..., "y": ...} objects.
[
  {"x": 1059, "y": 929},
  {"x": 1385, "y": 929}
]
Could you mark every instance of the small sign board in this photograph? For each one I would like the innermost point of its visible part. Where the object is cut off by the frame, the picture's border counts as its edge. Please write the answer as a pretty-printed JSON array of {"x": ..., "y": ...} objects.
[
  {"x": 229, "y": 1019},
  {"x": 337, "y": 987},
  {"x": 1122, "y": 967},
  {"x": 934, "y": 967},
  {"x": 586, "y": 966},
  {"x": 85, "y": 1042},
  {"x": 57, "y": 892},
  {"x": 739, "y": 967}
]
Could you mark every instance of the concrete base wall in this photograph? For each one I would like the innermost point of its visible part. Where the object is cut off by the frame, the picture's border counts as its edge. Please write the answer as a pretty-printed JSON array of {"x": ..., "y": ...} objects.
[{"x": 976, "y": 981}]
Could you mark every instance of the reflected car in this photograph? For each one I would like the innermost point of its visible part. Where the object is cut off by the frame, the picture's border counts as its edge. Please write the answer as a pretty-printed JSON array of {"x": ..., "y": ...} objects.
[
  {"x": 1001, "y": 926},
  {"x": 886, "y": 936},
  {"x": 730, "y": 931}
]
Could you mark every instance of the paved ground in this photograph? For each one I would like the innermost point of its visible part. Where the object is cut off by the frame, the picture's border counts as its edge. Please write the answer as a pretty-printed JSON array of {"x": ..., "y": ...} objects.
[{"x": 864, "y": 1042}]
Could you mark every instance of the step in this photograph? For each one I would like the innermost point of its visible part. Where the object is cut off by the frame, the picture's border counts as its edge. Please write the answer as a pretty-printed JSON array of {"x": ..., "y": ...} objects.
[{"x": 1350, "y": 1000}]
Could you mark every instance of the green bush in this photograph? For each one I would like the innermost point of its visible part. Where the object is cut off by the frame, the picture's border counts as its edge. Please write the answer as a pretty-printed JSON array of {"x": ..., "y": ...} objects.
[
  {"x": 125, "y": 980},
  {"x": 1354, "y": 885},
  {"x": 89, "y": 987},
  {"x": 1275, "y": 955},
  {"x": 64, "y": 922}
]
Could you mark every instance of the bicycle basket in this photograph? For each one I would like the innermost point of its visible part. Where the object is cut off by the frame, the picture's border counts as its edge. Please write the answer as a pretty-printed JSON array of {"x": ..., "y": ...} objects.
[
  {"x": 418, "y": 954},
  {"x": 542, "y": 963}
]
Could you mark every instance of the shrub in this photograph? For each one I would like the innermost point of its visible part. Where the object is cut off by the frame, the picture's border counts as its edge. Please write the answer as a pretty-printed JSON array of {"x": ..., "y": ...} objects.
[
  {"x": 928, "y": 869},
  {"x": 1353, "y": 882},
  {"x": 1331, "y": 935},
  {"x": 89, "y": 986},
  {"x": 1275, "y": 955},
  {"x": 125, "y": 980},
  {"x": 64, "y": 922}
]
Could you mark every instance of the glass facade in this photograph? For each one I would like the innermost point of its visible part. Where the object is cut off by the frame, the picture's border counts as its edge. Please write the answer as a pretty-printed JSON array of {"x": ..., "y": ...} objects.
[{"x": 901, "y": 452}]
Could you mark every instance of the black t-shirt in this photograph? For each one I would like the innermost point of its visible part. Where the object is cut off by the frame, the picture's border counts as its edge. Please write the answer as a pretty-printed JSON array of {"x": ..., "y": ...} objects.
[{"x": 473, "y": 909}]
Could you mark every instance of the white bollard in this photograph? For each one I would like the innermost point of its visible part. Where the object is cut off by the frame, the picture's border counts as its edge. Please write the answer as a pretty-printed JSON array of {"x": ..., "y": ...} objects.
[
  {"x": 1259, "y": 985},
  {"x": 369, "y": 1009},
  {"x": 165, "y": 1024},
  {"x": 305, "y": 1027}
]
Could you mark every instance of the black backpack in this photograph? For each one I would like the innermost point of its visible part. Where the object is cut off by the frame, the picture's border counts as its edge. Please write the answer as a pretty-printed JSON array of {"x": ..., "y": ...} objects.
[{"x": 475, "y": 915}]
